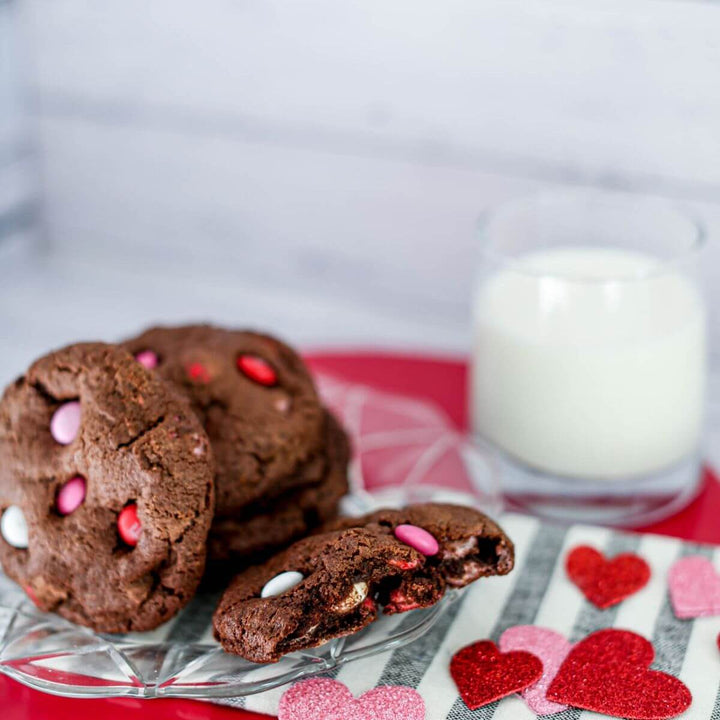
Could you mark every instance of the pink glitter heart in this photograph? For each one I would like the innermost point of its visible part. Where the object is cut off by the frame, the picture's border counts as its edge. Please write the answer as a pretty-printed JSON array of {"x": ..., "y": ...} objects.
[
  {"x": 694, "y": 587},
  {"x": 552, "y": 648},
  {"x": 326, "y": 699}
]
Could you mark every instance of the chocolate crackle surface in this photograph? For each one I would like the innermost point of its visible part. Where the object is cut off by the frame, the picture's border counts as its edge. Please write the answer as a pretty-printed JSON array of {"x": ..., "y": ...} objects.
[
  {"x": 106, "y": 489},
  {"x": 281, "y": 457}
]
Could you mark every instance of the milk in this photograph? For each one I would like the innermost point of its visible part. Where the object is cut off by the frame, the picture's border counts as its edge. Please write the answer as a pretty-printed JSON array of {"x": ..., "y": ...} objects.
[{"x": 589, "y": 362}]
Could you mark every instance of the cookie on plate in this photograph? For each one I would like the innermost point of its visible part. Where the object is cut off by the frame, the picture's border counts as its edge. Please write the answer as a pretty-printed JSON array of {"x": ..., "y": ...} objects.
[
  {"x": 256, "y": 400},
  {"x": 265, "y": 527},
  {"x": 470, "y": 544},
  {"x": 332, "y": 584},
  {"x": 106, "y": 490}
]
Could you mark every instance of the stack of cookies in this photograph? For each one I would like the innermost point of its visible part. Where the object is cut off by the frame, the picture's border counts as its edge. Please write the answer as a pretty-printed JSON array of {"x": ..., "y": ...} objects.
[
  {"x": 280, "y": 456},
  {"x": 129, "y": 472},
  {"x": 123, "y": 467}
]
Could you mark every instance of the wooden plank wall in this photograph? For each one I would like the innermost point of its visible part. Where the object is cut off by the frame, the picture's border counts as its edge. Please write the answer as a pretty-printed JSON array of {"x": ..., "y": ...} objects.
[{"x": 342, "y": 151}]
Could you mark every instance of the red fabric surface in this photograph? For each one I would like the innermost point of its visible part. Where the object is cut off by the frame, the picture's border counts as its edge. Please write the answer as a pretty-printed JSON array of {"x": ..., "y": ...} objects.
[
  {"x": 443, "y": 381},
  {"x": 439, "y": 380}
]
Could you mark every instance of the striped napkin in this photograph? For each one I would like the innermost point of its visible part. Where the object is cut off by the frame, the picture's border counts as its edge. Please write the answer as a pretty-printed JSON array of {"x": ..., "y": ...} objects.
[{"x": 538, "y": 592}]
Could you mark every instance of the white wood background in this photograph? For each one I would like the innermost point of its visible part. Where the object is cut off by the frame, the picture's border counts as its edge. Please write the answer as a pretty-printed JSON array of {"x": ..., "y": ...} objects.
[{"x": 319, "y": 167}]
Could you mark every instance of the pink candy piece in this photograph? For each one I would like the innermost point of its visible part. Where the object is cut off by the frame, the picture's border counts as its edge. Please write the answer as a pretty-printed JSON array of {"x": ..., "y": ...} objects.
[
  {"x": 552, "y": 649},
  {"x": 71, "y": 495},
  {"x": 323, "y": 699},
  {"x": 694, "y": 587},
  {"x": 148, "y": 359},
  {"x": 65, "y": 422},
  {"x": 417, "y": 538}
]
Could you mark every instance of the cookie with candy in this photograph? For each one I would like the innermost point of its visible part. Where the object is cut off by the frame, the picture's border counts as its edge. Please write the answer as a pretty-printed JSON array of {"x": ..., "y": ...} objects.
[
  {"x": 268, "y": 526},
  {"x": 335, "y": 582},
  {"x": 256, "y": 400},
  {"x": 106, "y": 489},
  {"x": 280, "y": 457},
  {"x": 461, "y": 542}
]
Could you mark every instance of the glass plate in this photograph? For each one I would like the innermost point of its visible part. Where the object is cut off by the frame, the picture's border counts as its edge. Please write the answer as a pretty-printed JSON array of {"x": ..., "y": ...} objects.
[
  {"x": 54, "y": 655},
  {"x": 405, "y": 451}
]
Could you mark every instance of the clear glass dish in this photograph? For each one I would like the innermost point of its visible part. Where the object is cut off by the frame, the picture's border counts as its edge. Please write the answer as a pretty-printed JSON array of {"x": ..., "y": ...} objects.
[
  {"x": 48, "y": 653},
  {"x": 405, "y": 452}
]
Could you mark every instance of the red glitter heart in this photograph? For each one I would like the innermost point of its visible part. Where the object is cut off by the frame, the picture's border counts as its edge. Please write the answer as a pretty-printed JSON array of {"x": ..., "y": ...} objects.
[
  {"x": 606, "y": 582},
  {"x": 483, "y": 674},
  {"x": 607, "y": 672}
]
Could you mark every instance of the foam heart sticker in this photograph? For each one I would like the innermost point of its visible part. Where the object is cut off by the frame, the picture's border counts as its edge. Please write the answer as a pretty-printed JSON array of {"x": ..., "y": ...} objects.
[
  {"x": 552, "y": 649},
  {"x": 483, "y": 674},
  {"x": 607, "y": 672},
  {"x": 606, "y": 582},
  {"x": 694, "y": 587},
  {"x": 326, "y": 699}
]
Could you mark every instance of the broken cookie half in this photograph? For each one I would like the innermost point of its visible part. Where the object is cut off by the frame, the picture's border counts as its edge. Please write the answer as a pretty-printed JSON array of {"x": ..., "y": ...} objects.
[{"x": 335, "y": 583}]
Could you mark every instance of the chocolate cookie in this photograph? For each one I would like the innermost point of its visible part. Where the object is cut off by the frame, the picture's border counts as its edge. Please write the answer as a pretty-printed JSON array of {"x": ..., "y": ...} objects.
[
  {"x": 106, "y": 490},
  {"x": 263, "y": 528},
  {"x": 333, "y": 583},
  {"x": 256, "y": 399},
  {"x": 470, "y": 544}
]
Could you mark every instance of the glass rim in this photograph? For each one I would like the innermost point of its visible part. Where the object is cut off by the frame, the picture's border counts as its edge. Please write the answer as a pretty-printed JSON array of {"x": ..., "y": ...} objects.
[{"x": 663, "y": 266}]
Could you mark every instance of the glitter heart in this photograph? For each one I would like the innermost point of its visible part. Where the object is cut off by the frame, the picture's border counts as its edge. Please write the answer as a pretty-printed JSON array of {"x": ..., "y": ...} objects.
[
  {"x": 552, "y": 649},
  {"x": 694, "y": 588},
  {"x": 607, "y": 672},
  {"x": 483, "y": 674},
  {"x": 326, "y": 699},
  {"x": 606, "y": 582}
]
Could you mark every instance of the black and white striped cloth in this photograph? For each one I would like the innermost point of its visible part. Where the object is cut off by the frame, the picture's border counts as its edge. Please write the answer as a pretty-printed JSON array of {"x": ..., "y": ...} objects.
[{"x": 538, "y": 592}]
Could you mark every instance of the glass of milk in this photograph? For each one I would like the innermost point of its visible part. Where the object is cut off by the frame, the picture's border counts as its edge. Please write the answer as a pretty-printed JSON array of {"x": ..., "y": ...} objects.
[{"x": 589, "y": 360}]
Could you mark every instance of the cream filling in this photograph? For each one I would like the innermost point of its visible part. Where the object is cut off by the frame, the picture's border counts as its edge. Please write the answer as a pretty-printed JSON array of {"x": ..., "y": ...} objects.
[
  {"x": 459, "y": 550},
  {"x": 356, "y": 595}
]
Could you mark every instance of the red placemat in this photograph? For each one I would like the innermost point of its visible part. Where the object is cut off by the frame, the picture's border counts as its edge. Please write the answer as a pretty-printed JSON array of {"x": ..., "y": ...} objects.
[
  {"x": 443, "y": 382},
  {"x": 440, "y": 380}
]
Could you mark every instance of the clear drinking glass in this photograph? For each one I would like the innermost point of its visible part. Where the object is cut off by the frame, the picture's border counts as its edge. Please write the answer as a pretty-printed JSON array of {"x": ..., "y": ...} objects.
[{"x": 589, "y": 360}]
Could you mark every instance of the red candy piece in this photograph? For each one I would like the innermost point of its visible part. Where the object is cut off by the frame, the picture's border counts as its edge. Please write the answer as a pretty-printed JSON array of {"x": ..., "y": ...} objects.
[
  {"x": 404, "y": 564},
  {"x": 257, "y": 369},
  {"x": 129, "y": 526},
  {"x": 606, "y": 582},
  {"x": 369, "y": 604},
  {"x": 198, "y": 373},
  {"x": 31, "y": 594},
  {"x": 483, "y": 674},
  {"x": 399, "y": 602},
  {"x": 607, "y": 672}
]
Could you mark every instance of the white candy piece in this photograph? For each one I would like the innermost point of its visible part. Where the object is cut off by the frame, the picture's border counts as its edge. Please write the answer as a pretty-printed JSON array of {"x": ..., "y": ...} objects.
[
  {"x": 352, "y": 599},
  {"x": 13, "y": 527},
  {"x": 281, "y": 583}
]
